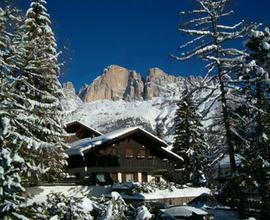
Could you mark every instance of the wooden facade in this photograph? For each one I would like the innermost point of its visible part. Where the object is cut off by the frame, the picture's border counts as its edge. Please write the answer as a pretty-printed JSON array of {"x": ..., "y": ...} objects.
[{"x": 134, "y": 156}]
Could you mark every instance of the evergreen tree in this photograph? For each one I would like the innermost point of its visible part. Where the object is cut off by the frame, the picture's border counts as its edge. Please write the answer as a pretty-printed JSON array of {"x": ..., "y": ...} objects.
[
  {"x": 211, "y": 42},
  {"x": 189, "y": 141},
  {"x": 40, "y": 89},
  {"x": 255, "y": 85},
  {"x": 11, "y": 162}
]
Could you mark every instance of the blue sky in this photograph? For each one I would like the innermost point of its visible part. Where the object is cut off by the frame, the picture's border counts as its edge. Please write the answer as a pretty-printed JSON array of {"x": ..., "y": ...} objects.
[{"x": 137, "y": 34}]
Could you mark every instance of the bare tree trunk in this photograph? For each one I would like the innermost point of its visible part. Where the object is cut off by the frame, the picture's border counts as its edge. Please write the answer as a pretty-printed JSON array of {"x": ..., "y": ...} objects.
[
  {"x": 225, "y": 112},
  {"x": 226, "y": 122}
]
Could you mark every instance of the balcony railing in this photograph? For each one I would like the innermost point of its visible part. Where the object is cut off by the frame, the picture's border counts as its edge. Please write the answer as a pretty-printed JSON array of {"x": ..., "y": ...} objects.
[
  {"x": 116, "y": 162},
  {"x": 134, "y": 162}
]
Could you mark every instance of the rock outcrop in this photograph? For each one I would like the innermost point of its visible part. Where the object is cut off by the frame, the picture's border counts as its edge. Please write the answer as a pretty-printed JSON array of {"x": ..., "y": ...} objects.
[
  {"x": 116, "y": 83},
  {"x": 71, "y": 100},
  {"x": 69, "y": 90},
  {"x": 119, "y": 83},
  {"x": 157, "y": 83},
  {"x": 134, "y": 90}
]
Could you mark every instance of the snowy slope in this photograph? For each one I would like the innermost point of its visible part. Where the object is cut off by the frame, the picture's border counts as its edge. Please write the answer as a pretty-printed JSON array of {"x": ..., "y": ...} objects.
[{"x": 156, "y": 115}]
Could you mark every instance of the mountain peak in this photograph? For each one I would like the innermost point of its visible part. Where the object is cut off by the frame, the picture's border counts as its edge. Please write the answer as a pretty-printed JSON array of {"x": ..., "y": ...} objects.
[
  {"x": 120, "y": 83},
  {"x": 113, "y": 69},
  {"x": 156, "y": 73},
  {"x": 115, "y": 83}
]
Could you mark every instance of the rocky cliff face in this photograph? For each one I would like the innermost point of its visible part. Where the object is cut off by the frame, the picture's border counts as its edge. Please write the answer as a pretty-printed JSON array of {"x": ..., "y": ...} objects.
[
  {"x": 115, "y": 83},
  {"x": 119, "y": 83},
  {"x": 72, "y": 101},
  {"x": 120, "y": 98},
  {"x": 158, "y": 84},
  {"x": 69, "y": 90}
]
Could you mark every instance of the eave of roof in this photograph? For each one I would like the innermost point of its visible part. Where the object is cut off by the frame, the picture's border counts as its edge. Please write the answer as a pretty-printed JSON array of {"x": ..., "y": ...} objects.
[
  {"x": 75, "y": 121},
  {"x": 172, "y": 153}
]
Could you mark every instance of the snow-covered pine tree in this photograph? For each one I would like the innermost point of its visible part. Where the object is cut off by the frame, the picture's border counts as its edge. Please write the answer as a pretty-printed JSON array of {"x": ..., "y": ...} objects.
[
  {"x": 255, "y": 85},
  {"x": 212, "y": 38},
  {"x": 11, "y": 163},
  {"x": 189, "y": 140},
  {"x": 41, "y": 90}
]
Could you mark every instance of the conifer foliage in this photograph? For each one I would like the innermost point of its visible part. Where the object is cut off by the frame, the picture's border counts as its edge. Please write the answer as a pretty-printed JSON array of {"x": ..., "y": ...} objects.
[
  {"x": 189, "y": 140},
  {"x": 11, "y": 163},
  {"x": 254, "y": 80},
  {"x": 256, "y": 86},
  {"x": 31, "y": 130},
  {"x": 41, "y": 90},
  {"x": 211, "y": 42}
]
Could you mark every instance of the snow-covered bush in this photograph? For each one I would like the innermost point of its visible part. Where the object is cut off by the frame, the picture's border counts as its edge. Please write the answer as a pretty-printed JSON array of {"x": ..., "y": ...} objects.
[
  {"x": 153, "y": 186},
  {"x": 142, "y": 213},
  {"x": 68, "y": 207},
  {"x": 59, "y": 206},
  {"x": 116, "y": 207}
]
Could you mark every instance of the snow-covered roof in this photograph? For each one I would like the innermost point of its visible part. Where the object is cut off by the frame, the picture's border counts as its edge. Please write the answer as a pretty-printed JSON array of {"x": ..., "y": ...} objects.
[
  {"x": 172, "y": 153},
  {"x": 127, "y": 185},
  {"x": 83, "y": 145},
  {"x": 184, "y": 211},
  {"x": 78, "y": 147},
  {"x": 78, "y": 122}
]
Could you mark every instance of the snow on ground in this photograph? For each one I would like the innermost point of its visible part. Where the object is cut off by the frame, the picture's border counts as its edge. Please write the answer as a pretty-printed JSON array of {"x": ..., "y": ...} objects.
[
  {"x": 39, "y": 193},
  {"x": 157, "y": 193},
  {"x": 162, "y": 194},
  {"x": 186, "y": 192}
]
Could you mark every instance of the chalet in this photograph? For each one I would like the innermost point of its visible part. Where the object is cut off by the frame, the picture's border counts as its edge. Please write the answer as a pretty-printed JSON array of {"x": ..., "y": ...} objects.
[
  {"x": 124, "y": 155},
  {"x": 78, "y": 130}
]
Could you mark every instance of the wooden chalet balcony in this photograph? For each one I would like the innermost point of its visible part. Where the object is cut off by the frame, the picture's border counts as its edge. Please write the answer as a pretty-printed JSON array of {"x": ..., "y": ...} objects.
[
  {"x": 147, "y": 163},
  {"x": 134, "y": 163},
  {"x": 124, "y": 164}
]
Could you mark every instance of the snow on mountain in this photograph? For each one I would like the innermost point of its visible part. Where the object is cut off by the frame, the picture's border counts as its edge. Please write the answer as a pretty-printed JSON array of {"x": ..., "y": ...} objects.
[
  {"x": 155, "y": 112},
  {"x": 106, "y": 115},
  {"x": 71, "y": 101}
]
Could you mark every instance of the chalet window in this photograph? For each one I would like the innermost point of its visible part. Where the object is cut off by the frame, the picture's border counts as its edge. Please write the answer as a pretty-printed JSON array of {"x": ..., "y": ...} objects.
[
  {"x": 114, "y": 177},
  {"x": 129, "y": 153},
  {"x": 141, "y": 153},
  {"x": 130, "y": 177}
]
